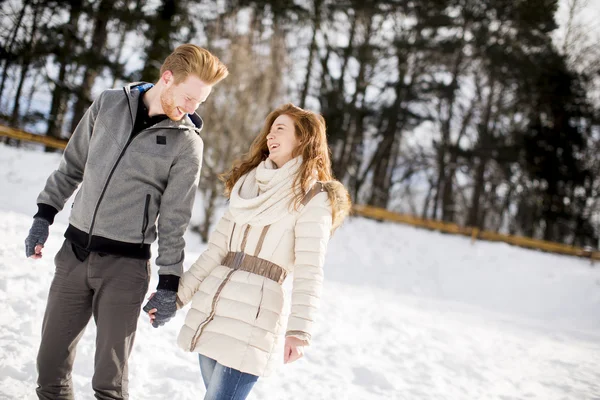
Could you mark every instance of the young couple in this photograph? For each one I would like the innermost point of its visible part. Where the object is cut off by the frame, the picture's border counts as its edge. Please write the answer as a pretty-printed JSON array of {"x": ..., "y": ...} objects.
[{"x": 137, "y": 154}]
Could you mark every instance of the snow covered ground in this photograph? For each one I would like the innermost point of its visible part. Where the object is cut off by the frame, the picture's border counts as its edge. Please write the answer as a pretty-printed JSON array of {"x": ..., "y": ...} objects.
[{"x": 406, "y": 314}]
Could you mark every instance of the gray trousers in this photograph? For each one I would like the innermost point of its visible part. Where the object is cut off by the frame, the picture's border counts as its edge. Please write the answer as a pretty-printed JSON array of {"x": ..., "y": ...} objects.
[{"x": 111, "y": 288}]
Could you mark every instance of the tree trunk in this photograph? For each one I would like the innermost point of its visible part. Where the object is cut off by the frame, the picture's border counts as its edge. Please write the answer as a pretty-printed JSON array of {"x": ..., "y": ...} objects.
[
  {"x": 11, "y": 43},
  {"x": 484, "y": 142},
  {"x": 448, "y": 200},
  {"x": 383, "y": 154},
  {"x": 127, "y": 24},
  {"x": 385, "y": 158},
  {"x": 350, "y": 157},
  {"x": 550, "y": 220},
  {"x": 504, "y": 208},
  {"x": 474, "y": 211},
  {"x": 97, "y": 48},
  {"x": 449, "y": 97},
  {"x": 15, "y": 119},
  {"x": 32, "y": 92},
  {"x": 278, "y": 52},
  {"x": 209, "y": 211},
  {"x": 160, "y": 40},
  {"x": 311, "y": 52},
  {"x": 335, "y": 106},
  {"x": 25, "y": 64},
  {"x": 427, "y": 199},
  {"x": 116, "y": 68},
  {"x": 347, "y": 53},
  {"x": 60, "y": 92}
]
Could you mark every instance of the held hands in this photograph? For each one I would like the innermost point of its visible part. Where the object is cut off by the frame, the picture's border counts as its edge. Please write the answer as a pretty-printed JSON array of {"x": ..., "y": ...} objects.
[
  {"x": 161, "y": 307},
  {"x": 38, "y": 234},
  {"x": 293, "y": 350}
]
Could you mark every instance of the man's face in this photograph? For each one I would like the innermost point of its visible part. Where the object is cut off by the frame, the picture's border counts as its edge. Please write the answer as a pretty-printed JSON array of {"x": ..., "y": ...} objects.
[{"x": 184, "y": 97}]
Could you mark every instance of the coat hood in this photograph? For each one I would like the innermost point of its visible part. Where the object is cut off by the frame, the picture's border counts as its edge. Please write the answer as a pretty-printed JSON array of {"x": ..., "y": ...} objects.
[{"x": 340, "y": 202}]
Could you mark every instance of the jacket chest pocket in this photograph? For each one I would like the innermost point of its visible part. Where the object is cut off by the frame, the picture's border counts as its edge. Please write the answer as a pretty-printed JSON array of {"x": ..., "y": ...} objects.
[
  {"x": 149, "y": 162},
  {"x": 155, "y": 144}
]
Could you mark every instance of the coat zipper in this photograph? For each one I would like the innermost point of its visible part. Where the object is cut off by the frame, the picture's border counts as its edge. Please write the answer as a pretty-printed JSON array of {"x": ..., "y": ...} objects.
[
  {"x": 115, "y": 167},
  {"x": 110, "y": 175},
  {"x": 146, "y": 220},
  {"x": 262, "y": 294},
  {"x": 210, "y": 317}
]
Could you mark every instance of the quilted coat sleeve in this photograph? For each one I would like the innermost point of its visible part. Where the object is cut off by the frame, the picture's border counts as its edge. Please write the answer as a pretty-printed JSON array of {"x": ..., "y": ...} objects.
[
  {"x": 208, "y": 260},
  {"x": 312, "y": 232}
]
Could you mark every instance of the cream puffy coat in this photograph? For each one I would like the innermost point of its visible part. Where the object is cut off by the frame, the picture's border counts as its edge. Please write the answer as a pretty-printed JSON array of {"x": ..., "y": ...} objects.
[{"x": 236, "y": 316}]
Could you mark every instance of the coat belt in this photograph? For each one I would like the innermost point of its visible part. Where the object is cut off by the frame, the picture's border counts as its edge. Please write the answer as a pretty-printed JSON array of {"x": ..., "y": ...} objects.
[{"x": 260, "y": 266}]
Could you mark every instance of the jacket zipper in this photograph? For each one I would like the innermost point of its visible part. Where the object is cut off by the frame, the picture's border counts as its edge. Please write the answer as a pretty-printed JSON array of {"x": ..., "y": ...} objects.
[
  {"x": 146, "y": 220},
  {"x": 210, "y": 317},
  {"x": 111, "y": 174},
  {"x": 115, "y": 167},
  {"x": 262, "y": 294}
]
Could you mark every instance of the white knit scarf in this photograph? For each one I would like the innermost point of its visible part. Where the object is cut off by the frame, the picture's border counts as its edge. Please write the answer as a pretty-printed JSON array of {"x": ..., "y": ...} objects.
[{"x": 264, "y": 195}]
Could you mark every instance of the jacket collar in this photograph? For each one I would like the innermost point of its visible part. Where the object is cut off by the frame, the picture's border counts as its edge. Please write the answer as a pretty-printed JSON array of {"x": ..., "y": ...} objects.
[{"x": 189, "y": 121}]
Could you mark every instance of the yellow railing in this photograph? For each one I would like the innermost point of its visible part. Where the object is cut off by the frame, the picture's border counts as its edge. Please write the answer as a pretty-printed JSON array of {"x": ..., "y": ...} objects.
[
  {"x": 385, "y": 215},
  {"x": 475, "y": 233},
  {"x": 30, "y": 137}
]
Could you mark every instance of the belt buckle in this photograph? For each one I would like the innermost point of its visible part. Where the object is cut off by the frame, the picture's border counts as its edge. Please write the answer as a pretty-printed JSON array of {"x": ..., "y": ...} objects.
[{"x": 237, "y": 259}]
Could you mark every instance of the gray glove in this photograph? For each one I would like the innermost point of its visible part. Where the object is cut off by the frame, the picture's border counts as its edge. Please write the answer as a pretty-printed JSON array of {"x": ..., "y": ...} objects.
[
  {"x": 165, "y": 302},
  {"x": 38, "y": 234}
]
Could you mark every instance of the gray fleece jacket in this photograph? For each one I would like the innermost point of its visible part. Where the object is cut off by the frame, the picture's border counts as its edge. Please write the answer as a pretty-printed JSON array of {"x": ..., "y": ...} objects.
[{"x": 128, "y": 184}]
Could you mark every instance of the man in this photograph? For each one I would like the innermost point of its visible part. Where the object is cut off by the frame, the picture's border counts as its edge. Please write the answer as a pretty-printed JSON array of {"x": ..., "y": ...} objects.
[{"x": 137, "y": 154}]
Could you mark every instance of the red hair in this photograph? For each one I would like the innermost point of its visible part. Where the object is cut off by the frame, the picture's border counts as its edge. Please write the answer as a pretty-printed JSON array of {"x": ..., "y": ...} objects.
[{"x": 310, "y": 130}]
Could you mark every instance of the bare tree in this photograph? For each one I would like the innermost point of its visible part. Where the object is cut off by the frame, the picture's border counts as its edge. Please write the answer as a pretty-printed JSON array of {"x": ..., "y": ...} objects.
[
  {"x": 26, "y": 59},
  {"x": 60, "y": 92},
  {"x": 316, "y": 25},
  {"x": 578, "y": 40},
  {"x": 235, "y": 112},
  {"x": 94, "y": 60},
  {"x": 11, "y": 41}
]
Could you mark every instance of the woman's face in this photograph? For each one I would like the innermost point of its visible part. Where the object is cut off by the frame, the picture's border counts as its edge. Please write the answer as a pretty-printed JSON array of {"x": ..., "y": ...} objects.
[{"x": 282, "y": 140}]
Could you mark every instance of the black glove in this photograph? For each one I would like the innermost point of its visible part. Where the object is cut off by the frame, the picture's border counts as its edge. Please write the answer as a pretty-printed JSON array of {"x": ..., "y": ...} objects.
[
  {"x": 38, "y": 234},
  {"x": 165, "y": 302}
]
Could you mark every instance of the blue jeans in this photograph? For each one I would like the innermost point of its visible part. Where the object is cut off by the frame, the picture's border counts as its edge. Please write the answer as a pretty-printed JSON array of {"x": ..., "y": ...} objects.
[{"x": 224, "y": 383}]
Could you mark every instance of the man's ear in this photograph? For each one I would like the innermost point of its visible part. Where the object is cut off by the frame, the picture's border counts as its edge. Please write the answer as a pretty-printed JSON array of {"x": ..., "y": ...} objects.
[{"x": 167, "y": 77}]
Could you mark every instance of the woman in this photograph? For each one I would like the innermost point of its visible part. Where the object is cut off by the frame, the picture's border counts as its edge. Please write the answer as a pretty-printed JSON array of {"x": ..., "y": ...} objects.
[{"x": 284, "y": 204}]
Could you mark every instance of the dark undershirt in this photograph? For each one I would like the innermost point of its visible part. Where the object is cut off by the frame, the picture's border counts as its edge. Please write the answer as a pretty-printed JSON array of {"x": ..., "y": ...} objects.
[{"x": 143, "y": 120}]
